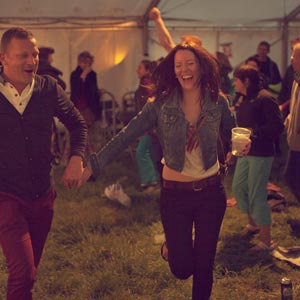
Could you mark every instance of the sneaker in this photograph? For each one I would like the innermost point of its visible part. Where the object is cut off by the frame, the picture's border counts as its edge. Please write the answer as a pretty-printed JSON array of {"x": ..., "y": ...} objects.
[{"x": 115, "y": 192}]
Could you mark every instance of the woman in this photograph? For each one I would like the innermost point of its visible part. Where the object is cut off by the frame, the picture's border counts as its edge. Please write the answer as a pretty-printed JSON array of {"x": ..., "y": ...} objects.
[
  {"x": 85, "y": 94},
  {"x": 256, "y": 110},
  {"x": 188, "y": 113},
  {"x": 84, "y": 88}
]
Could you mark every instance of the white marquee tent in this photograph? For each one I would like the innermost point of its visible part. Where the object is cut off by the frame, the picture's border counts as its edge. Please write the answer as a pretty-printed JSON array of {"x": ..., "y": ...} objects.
[{"x": 119, "y": 34}]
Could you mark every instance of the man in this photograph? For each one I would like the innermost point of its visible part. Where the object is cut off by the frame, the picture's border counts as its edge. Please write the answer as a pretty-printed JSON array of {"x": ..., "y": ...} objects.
[
  {"x": 28, "y": 103},
  {"x": 45, "y": 65},
  {"x": 267, "y": 66},
  {"x": 292, "y": 123},
  {"x": 284, "y": 96}
]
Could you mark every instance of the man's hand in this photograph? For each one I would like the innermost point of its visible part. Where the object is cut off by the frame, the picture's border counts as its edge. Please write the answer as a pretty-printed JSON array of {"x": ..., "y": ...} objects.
[{"x": 73, "y": 172}]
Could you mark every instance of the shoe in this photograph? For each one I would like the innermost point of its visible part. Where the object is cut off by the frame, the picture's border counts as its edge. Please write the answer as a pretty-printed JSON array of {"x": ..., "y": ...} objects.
[
  {"x": 115, "y": 192},
  {"x": 249, "y": 230},
  {"x": 261, "y": 246},
  {"x": 164, "y": 251}
]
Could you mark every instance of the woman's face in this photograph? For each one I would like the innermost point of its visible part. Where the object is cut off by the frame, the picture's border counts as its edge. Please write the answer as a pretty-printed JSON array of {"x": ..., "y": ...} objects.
[
  {"x": 187, "y": 69},
  {"x": 239, "y": 86}
]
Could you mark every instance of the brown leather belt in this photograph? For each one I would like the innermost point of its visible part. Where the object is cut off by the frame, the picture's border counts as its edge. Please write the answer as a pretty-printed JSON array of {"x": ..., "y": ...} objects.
[{"x": 193, "y": 185}]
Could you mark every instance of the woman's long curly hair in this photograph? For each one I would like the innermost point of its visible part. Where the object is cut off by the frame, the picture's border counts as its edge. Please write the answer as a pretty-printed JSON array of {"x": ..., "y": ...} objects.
[{"x": 164, "y": 78}]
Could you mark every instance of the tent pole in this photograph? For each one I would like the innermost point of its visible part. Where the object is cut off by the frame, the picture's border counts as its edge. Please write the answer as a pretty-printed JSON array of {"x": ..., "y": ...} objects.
[
  {"x": 285, "y": 44},
  {"x": 145, "y": 27}
]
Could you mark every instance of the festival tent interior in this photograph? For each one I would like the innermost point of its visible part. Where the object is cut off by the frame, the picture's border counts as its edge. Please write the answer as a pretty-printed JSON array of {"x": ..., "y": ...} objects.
[{"x": 119, "y": 33}]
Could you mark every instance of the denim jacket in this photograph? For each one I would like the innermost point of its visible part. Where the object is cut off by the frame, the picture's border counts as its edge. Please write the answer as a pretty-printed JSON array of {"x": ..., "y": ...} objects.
[{"x": 167, "y": 118}]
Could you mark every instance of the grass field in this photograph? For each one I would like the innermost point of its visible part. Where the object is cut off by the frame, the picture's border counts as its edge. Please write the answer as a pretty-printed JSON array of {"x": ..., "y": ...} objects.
[{"x": 98, "y": 249}]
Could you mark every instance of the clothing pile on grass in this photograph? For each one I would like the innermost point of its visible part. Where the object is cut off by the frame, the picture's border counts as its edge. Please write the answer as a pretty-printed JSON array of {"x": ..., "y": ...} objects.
[{"x": 276, "y": 199}]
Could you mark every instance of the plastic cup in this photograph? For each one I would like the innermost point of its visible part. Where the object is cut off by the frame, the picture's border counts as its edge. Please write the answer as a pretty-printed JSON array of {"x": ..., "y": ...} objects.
[{"x": 240, "y": 137}]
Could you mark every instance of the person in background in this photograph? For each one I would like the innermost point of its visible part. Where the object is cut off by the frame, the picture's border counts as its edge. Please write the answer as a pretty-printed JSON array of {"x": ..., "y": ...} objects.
[
  {"x": 256, "y": 110},
  {"x": 60, "y": 137},
  {"x": 225, "y": 69},
  {"x": 188, "y": 113},
  {"x": 163, "y": 33},
  {"x": 292, "y": 124},
  {"x": 284, "y": 96},
  {"x": 267, "y": 66},
  {"x": 147, "y": 166},
  {"x": 85, "y": 94},
  {"x": 84, "y": 88},
  {"x": 254, "y": 62},
  {"x": 28, "y": 103},
  {"x": 45, "y": 65}
]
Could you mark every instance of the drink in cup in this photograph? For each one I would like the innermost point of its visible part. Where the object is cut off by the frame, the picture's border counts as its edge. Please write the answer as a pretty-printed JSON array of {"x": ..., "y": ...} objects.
[{"x": 240, "y": 137}]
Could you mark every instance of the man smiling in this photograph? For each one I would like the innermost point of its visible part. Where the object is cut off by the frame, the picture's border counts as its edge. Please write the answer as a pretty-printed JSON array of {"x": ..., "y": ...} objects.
[{"x": 28, "y": 103}]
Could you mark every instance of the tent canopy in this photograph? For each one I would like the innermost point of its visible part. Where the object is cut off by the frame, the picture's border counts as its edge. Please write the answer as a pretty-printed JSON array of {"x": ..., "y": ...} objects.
[
  {"x": 113, "y": 12},
  {"x": 119, "y": 34}
]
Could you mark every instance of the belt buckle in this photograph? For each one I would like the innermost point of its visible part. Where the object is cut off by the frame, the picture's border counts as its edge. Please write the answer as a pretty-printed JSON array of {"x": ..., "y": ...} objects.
[{"x": 195, "y": 188}]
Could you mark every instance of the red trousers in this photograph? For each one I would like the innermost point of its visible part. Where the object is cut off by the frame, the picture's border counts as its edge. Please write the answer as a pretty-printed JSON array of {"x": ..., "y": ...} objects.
[{"x": 24, "y": 226}]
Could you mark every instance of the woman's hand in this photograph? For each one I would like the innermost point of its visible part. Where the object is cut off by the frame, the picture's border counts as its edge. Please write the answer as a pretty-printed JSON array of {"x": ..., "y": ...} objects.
[
  {"x": 87, "y": 173},
  {"x": 246, "y": 149}
]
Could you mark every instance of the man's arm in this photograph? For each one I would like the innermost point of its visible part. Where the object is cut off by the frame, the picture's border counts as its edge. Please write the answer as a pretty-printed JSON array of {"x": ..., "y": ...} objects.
[
  {"x": 74, "y": 122},
  {"x": 163, "y": 33}
]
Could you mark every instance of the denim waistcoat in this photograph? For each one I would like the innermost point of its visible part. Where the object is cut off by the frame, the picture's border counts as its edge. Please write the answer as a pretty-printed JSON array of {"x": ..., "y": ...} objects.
[{"x": 167, "y": 118}]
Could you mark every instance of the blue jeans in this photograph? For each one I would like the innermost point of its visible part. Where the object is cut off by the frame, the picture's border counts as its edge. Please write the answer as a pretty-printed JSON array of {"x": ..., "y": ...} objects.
[
  {"x": 146, "y": 165},
  {"x": 249, "y": 187},
  {"x": 187, "y": 256}
]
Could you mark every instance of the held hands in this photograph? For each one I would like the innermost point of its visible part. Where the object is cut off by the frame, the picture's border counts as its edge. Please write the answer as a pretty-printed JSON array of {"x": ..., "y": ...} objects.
[
  {"x": 75, "y": 175},
  {"x": 73, "y": 172},
  {"x": 87, "y": 173}
]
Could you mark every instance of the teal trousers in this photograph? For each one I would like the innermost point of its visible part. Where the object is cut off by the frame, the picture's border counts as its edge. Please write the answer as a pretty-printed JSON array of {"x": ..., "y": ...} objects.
[
  {"x": 249, "y": 187},
  {"x": 146, "y": 166}
]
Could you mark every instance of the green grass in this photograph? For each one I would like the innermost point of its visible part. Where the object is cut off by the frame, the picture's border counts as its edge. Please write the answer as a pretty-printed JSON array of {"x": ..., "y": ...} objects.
[{"x": 98, "y": 249}]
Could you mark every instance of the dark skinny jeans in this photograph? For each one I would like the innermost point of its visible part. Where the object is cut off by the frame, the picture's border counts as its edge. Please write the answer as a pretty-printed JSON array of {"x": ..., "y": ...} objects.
[{"x": 187, "y": 255}]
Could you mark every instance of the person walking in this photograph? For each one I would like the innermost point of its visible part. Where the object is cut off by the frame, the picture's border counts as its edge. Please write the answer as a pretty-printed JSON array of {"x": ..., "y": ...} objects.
[
  {"x": 188, "y": 114},
  {"x": 28, "y": 103}
]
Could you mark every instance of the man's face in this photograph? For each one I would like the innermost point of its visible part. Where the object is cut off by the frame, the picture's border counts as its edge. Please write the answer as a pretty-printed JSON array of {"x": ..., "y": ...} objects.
[
  {"x": 262, "y": 51},
  {"x": 295, "y": 58},
  {"x": 20, "y": 62}
]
